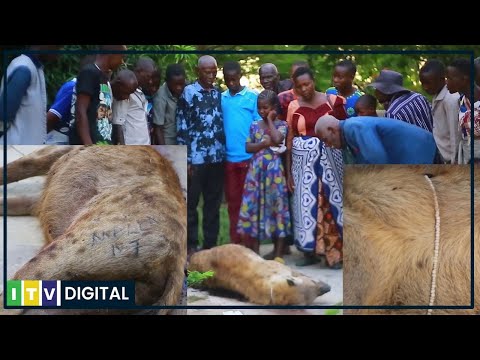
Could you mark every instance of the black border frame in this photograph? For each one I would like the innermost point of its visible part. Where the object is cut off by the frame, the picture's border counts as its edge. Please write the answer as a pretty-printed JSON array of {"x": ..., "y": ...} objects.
[{"x": 6, "y": 53}]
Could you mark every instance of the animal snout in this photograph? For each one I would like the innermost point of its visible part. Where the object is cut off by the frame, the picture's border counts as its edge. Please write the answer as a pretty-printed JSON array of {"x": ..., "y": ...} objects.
[{"x": 323, "y": 289}]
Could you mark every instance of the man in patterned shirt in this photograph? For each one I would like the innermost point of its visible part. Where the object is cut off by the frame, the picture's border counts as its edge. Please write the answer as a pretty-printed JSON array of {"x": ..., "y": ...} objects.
[
  {"x": 401, "y": 103},
  {"x": 200, "y": 127}
]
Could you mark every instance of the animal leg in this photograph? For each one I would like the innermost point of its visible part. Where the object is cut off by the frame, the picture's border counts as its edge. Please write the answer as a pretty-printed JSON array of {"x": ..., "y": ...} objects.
[
  {"x": 114, "y": 238},
  {"x": 20, "y": 205},
  {"x": 34, "y": 164}
]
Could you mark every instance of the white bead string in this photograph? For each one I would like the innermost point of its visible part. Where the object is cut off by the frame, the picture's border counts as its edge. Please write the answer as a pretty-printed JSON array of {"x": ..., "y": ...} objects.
[{"x": 435, "y": 247}]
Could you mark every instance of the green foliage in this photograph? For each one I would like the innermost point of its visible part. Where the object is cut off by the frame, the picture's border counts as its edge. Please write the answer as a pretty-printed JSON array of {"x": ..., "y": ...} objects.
[
  {"x": 334, "y": 311},
  {"x": 196, "y": 277},
  {"x": 162, "y": 60},
  {"x": 368, "y": 65},
  {"x": 67, "y": 65},
  {"x": 64, "y": 69}
]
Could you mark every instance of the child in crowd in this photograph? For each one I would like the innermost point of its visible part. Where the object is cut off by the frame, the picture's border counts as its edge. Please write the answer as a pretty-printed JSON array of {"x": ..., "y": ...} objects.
[
  {"x": 366, "y": 105},
  {"x": 264, "y": 211},
  {"x": 343, "y": 76}
]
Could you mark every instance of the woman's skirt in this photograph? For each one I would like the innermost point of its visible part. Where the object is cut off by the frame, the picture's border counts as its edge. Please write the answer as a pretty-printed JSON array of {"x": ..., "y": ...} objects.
[{"x": 317, "y": 201}]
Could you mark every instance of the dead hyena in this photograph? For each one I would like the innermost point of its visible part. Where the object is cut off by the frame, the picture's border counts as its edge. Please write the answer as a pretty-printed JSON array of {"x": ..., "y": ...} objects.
[
  {"x": 263, "y": 282},
  {"x": 107, "y": 213},
  {"x": 390, "y": 231}
]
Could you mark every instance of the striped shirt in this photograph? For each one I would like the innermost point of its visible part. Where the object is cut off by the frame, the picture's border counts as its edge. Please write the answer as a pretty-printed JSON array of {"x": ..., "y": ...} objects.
[{"x": 412, "y": 108}]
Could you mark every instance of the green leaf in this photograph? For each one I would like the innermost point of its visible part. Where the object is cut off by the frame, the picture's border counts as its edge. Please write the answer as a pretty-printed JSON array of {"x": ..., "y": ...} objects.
[
  {"x": 334, "y": 311},
  {"x": 196, "y": 277}
]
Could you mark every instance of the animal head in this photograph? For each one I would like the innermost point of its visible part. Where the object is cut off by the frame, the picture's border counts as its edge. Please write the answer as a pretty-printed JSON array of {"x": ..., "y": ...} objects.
[{"x": 297, "y": 288}]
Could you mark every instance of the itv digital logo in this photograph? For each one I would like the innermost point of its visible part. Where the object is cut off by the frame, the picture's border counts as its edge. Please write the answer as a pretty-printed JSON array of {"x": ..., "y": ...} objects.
[
  {"x": 70, "y": 294},
  {"x": 33, "y": 293}
]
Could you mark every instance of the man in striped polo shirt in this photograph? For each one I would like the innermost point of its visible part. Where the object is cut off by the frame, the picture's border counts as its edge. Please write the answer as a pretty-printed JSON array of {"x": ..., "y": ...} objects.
[{"x": 401, "y": 103}]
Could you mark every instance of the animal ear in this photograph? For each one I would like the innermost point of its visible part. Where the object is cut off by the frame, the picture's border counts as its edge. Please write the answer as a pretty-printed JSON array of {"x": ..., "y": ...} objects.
[{"x": 290, "y": 282}]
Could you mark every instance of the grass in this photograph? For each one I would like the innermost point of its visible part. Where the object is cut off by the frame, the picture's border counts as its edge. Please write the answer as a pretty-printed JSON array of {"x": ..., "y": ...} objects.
[{"x": 224, "y": 232}]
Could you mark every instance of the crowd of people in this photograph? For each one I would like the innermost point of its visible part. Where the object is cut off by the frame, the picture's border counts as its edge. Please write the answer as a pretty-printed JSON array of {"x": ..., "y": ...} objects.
[{"x": 277, "y": 155}]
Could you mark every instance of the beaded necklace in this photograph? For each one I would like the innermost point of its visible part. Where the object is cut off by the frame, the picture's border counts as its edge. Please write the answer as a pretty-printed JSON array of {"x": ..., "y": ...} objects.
[{"x": 349, "y": 96}]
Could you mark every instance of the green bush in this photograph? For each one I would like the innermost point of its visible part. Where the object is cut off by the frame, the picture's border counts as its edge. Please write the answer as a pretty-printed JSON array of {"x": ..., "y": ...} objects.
[{"x": 368, "y": 65}]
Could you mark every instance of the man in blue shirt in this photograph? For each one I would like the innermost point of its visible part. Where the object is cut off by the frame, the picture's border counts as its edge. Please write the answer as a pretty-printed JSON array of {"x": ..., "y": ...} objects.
[
  {"x": 200, "y": 127},
  {"x": 239, "y": 107},
  {"x": 60, "y": 113},
  {"x": 376, "y": 140}
]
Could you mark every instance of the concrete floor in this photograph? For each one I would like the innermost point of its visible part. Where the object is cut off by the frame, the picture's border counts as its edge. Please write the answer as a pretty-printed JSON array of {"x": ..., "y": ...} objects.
[
  {"x": 319, "y": 271},
  {"x": 24, "y": 237}
]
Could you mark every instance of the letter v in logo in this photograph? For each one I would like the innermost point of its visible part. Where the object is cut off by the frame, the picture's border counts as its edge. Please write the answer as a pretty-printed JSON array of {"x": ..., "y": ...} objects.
[{"x": 51, "y": 293}]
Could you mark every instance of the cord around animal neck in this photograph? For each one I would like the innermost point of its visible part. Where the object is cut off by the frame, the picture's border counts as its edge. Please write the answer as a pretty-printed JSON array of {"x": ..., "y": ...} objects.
[{"x": 435, "y": 247}]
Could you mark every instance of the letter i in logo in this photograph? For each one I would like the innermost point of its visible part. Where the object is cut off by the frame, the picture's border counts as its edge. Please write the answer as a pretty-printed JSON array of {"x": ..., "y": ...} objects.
[{"x": 14, "y": 293}]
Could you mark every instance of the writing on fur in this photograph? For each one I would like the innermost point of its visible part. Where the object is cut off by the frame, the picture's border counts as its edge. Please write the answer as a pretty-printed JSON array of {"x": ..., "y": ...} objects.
[
  {"x": 139, "y": 227},
  {"x": 132, "y": 248}
]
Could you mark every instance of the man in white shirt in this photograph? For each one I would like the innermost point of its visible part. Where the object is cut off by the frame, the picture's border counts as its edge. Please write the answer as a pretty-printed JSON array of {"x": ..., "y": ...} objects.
[
  {"x": 445, "y": 107},
  {"x": 130, "y": 115}
]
